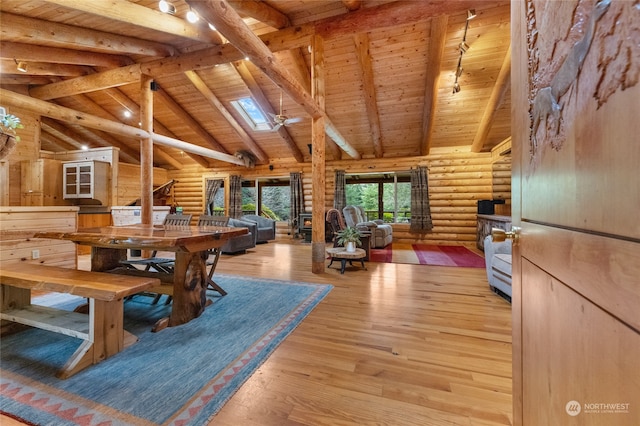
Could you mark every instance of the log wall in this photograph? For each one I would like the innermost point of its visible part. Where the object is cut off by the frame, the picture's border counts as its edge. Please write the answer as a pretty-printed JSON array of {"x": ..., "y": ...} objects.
[
  {"x": 456, "y": 180},
  {"x": 17, "y": 226}
]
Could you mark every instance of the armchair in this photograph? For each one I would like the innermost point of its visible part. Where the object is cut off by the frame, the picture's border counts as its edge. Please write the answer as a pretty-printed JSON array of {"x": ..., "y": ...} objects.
[
  {"x": 497, "y": 257},
  {"x": 381, "y": 233},
  {"x": 266, "y": 227}
]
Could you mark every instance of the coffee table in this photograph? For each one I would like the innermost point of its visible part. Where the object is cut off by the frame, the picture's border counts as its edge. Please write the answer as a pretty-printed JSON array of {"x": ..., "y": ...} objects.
[{"x": 344, "y": 256}]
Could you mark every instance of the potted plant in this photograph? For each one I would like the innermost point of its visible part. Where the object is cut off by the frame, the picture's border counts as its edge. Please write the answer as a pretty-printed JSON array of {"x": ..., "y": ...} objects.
[
  {"x": 349, "y": 237},
  {"x": 8, "y": 136}
]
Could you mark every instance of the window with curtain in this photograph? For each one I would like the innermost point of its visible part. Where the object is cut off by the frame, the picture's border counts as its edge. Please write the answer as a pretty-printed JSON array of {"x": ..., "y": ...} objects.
[
  {"x": 420, "y": 209},
  {"x": 214, "y": 197},
  {"x": 235, "y": 196},
  {"x": 382, "y": 195}
]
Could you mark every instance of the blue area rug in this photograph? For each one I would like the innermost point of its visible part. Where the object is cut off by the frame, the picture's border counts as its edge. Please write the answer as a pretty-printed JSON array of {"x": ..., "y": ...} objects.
[{"x": 178, "y": 376}]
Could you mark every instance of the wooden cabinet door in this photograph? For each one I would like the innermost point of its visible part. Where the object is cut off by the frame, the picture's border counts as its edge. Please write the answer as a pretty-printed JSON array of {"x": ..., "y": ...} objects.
[{"x": 576, "y": 198}]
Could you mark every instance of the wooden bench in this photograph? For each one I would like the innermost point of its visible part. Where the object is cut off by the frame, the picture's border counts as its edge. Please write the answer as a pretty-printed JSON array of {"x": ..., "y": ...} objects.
[{"x": 102, "y": 330}]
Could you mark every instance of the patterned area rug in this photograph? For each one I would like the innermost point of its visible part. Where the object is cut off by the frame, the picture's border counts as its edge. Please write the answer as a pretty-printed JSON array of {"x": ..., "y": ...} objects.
[
  {"x": 427, "y": 254},
  {"x": 178, "y": 376}
]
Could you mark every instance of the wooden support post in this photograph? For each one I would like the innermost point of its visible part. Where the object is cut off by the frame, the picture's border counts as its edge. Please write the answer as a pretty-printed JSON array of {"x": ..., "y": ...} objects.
[
  {"x": 318, "y": 170},
  {"x": 146, "y": 150}
]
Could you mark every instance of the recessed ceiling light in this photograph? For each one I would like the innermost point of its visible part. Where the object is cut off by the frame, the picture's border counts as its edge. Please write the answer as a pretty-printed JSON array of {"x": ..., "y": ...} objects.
[
  {"x": 166, "y": 7},
  {"x": 127, "y": 113},
  {"x": 192, "y": 16}
]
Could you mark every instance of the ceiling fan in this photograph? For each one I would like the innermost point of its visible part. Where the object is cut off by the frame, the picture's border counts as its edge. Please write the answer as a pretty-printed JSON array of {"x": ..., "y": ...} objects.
[{"x": 280, "y": 119}]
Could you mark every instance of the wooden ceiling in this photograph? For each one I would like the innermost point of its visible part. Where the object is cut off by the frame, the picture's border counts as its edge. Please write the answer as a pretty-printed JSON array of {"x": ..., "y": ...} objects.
[{"x": 387, "y": 71}]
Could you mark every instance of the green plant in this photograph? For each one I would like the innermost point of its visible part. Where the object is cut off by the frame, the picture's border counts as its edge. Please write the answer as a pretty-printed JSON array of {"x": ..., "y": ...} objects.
[
  {"x": 349, "y": 235},
  {"x": 9, "y": 124}
]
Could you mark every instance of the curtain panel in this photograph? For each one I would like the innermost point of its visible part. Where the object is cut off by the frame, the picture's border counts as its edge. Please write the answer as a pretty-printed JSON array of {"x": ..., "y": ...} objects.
[
  {"x": 420, "y": 209},
  {"x": 235, "y": 196},
  {"x": 340, "y": 194},
  {"x": 211, "y": 188},
  {"x": 297, "y": 200}
]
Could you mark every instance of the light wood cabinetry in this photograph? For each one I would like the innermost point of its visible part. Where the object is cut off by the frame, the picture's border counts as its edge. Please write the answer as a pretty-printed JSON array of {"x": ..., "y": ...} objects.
[
  {"x": 41, "y": 183},
  {"x": 88, "y": 180}
]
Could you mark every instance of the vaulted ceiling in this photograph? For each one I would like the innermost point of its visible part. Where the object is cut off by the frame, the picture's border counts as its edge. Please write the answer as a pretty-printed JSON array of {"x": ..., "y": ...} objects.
[{"x": 383, "y": 75}]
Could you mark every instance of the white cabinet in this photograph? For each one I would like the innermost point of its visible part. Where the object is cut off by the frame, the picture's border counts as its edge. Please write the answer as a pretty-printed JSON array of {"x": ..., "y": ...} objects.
[{"x": 86, "y": 180}]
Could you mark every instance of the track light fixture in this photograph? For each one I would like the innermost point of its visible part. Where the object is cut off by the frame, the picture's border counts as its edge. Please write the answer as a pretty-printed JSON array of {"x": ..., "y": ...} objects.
[
  {"x": 22, "y": 66},
  {"x": 166, "y": 7},
  {"x": 462, "y": 48}
]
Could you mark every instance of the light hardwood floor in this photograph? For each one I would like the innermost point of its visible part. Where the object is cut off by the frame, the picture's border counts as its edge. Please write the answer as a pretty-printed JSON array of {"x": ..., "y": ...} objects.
[{"x": 393, "y": 345}]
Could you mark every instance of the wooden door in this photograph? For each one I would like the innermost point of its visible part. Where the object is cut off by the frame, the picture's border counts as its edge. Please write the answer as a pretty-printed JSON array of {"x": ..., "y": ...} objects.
[{"x": 576, "y": 198}]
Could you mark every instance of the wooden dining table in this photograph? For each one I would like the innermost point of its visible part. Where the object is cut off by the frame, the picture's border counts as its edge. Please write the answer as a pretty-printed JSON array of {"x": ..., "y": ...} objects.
[{"x": 191, "y": 244}]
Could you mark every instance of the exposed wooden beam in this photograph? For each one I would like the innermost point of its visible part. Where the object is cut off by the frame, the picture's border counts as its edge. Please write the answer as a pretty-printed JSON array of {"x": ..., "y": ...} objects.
[
  {"x": 30, "y": 30},
  {"x": 228, "y": 22},
  {"x": 132, "y": 13},
  {"x": 299, "y": 66},
  {"x": 61, "y": 133},
  {"x": 35, "y": 53},
  {"x": 22, "y": 80},
  {"x": 390, "y": 15},
  {"x": 438, "y": 37},
  {"x": 76, "y": 117},
  {"x": 361, "y": 41},
  {"x": 49, "y": 142},
  {"x": 47, "y": 68},
  {"x": 262, "y": 12},
  {"x": 213, "y": 99},
  {"x": 258, "y": 95},
  {"x": 91, "y": 83},
  {"x": 89, "y": 105},
  {"x": 497, "y": 96},
  {"x": 188, "y": 119},
  {"x": 158, "y": 153}
]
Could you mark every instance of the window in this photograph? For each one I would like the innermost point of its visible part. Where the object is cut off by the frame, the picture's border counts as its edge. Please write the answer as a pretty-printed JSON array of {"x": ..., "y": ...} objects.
[
  {"x": 385, "y": 196},
  {"x": 252, "y": 114},
  {"x": 272, "y": 198}
]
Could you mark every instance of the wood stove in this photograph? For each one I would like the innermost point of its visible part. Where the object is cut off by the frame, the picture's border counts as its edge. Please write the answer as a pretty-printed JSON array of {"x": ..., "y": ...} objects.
[{"x": 304, "y": 226}]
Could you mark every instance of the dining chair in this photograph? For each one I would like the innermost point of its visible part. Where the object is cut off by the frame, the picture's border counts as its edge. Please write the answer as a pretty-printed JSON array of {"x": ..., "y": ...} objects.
[
  {"x": 214, "y": 253},
  {"x": 160, "y": 264}
]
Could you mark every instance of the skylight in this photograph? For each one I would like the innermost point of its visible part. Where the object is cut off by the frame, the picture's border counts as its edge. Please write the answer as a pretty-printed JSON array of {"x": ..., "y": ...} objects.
[{"x": 252, "y": 114}]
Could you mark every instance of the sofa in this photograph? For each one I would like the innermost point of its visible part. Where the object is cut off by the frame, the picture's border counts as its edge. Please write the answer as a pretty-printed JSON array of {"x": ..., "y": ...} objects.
[
  {"x": 240, "y": 243},
  {"x": 266, "y": 227},
  {"x": 497, "y": 257},
  {"x": 381, "y": 233}
]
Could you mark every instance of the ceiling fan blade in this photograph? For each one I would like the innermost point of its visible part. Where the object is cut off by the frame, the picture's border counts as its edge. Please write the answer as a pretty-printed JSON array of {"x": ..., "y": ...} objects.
[
  {"x": 276, "y": 127},
  {"x": 292, "y": 120}
]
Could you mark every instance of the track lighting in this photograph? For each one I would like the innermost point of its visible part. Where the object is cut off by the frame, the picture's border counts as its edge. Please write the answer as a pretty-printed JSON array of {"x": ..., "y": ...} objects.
[
  {"x": 22, "y": 66},
  {"x": 166, "y": 7},
  {"x": 192, "y": 16},
  {"x": 462, "y": 49}
]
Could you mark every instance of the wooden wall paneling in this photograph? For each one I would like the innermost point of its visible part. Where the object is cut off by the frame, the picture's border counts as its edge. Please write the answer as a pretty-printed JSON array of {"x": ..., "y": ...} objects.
[{"x": 17, "y": 226}]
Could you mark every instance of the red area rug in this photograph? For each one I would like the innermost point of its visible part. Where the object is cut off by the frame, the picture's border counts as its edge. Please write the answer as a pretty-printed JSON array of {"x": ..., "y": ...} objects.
[{"x": 427, "y": 254}]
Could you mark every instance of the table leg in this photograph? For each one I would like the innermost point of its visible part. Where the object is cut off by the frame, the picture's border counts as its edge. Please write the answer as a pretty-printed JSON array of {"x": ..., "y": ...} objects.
[
  {"x": 343, "y": 264},
  {"x": 189, "y": 289}
]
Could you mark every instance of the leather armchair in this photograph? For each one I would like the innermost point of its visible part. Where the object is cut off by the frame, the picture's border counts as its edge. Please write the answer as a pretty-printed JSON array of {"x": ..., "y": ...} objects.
[
  {"x": 497, "y": 257},
  {"x": 266, "y": 227},
  {"x": 381, "y": 233},
  {"x": 241, "y": 243}
]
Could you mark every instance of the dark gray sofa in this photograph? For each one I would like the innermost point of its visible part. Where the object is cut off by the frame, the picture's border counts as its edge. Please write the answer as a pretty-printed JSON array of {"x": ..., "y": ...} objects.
[
  {"x": 241, "y": 243},
  {"x": 266, "y": 227}
]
